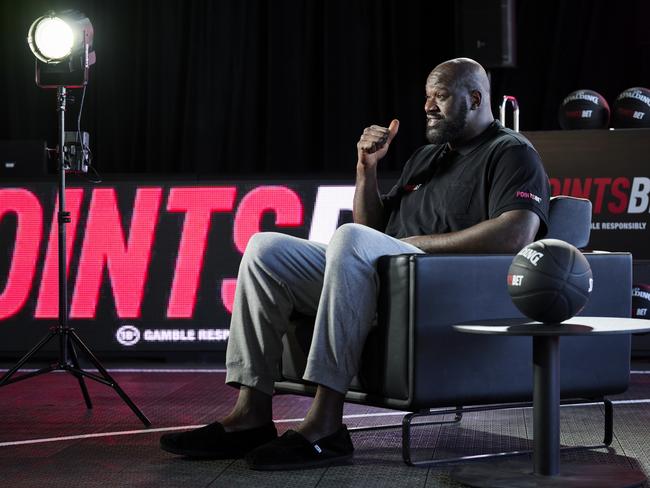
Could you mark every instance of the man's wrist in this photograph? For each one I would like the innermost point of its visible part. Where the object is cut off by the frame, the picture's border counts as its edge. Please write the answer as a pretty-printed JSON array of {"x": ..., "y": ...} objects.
[{"x": 365, "y": 171}]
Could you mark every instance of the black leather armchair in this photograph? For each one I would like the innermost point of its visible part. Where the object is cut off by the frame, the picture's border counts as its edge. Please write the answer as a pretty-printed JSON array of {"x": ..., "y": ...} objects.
[{"x": 415, "y": 361}]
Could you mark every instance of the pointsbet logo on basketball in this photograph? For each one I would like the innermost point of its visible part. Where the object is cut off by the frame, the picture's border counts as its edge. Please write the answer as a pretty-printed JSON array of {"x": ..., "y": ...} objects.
[{"x": 550, "y": 280}]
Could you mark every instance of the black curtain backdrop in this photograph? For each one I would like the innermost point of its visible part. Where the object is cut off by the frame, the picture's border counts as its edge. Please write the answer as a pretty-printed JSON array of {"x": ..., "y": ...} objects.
[{"x": 285, "y": 87}]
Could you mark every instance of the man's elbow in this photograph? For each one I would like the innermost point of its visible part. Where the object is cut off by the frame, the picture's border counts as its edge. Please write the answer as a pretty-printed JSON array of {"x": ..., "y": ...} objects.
[
  {"x": 518, "y": 242},
  {"x": 522, "y": 230}
]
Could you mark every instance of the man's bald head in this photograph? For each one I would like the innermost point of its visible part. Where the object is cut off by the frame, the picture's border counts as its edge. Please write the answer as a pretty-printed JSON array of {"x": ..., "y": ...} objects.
[{"x": 464, "y": 73}]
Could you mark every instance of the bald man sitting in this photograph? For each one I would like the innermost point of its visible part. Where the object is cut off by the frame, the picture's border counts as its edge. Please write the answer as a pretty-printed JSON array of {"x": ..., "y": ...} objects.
[{"x": 476, "y": 188}]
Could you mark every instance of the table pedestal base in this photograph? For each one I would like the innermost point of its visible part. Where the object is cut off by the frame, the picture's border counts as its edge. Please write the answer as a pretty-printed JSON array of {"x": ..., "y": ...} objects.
[{"x": 519, "y": 474}]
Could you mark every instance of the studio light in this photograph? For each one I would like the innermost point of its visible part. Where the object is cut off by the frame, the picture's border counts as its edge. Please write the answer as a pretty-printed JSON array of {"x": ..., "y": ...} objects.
[
  {"x": 50, "y": 39},
  {"x": 62, "y": 43}
]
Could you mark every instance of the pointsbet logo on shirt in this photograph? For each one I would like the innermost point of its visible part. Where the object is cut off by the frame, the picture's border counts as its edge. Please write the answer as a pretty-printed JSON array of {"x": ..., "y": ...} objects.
[{"x": 528, "y": 196}]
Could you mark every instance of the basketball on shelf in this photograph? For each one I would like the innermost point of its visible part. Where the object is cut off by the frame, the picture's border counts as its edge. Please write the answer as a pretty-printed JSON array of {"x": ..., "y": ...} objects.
[
  {"x": 584, "y": 109},
  {"x": 550, "y": 280},
  {"x": 632, "y": 109}
]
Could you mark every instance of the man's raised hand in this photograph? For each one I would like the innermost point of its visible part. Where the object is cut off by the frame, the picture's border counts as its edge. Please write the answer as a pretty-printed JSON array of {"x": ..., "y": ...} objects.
[{"x": 374, "y": 144}]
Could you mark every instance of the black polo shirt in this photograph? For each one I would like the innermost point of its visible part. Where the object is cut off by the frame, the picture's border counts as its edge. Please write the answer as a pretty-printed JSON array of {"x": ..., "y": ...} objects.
[{"x": 443, "y": 190}]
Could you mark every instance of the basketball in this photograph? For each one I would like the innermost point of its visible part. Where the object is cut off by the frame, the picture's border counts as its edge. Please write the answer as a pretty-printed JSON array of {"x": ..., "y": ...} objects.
[
  {"x": 550, "y": 280},
  {"x": 584, "y": 109},
  {"x": 640, "y": 301},
  {"x": 632, "y": 109}
]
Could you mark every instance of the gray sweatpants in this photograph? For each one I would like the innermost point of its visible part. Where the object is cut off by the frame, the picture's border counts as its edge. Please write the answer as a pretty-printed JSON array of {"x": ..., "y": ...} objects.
[{"x": 336, "y": 283}]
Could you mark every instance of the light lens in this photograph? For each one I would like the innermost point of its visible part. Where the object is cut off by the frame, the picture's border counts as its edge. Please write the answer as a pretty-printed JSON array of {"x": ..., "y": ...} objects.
[{"x": 53, "y": 38}]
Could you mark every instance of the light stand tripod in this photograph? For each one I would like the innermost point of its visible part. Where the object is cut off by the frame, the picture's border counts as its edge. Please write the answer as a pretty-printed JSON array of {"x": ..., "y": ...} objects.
[{"x": 68, "y": 338}]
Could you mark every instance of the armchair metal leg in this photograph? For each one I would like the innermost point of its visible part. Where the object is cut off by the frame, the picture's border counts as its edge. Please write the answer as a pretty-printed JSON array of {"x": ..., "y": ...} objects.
[
  {"x": 406, "y": 428},
  {"x": 458, "y": 411},
  {"x": 422, "y": 413}
]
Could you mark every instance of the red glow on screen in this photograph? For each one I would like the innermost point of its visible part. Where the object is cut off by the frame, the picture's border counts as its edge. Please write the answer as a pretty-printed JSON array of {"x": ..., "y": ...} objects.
[
  {"x": 47, "y": 305},
  {"x": 282, "y": 201},
  {"x": 197, "y": 203},
  {"x": 104, "y": 246},
  {"x": 112, "y": 243},
  {"x": 29, "y": 215},
  {"x": 228, "y": 288}
]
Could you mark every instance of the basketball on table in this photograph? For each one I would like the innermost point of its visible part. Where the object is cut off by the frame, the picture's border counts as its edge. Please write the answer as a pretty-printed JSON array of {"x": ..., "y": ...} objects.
[{"x": 550, "y": 280}]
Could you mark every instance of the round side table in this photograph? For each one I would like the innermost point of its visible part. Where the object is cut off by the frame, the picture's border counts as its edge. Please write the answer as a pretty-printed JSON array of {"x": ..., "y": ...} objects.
[{"x": 545, "y": 471}]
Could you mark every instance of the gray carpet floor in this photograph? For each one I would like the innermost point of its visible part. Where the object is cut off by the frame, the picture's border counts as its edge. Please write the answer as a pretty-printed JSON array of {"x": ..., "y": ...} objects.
[{"x": 49, "y": 439}]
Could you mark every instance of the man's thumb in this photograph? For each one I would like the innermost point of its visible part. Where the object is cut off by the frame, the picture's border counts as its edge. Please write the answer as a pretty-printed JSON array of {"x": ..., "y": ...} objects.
[{"x": 392, "y": 129}]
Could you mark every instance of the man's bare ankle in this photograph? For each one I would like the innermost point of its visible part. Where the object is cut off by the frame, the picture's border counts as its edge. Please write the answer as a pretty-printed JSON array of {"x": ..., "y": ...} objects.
[
  {"x": 313, "y": 432},
  {"x": 235, "y": 424}
]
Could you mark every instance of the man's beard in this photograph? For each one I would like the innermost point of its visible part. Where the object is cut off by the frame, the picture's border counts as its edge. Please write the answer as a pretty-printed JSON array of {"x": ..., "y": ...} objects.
[{"x": 448, "y": 129}]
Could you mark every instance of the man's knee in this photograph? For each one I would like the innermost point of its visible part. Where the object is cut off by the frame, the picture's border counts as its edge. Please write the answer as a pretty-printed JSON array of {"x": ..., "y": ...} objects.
[
  {"x": 350, "y": 237},
  {"x": 265, "y": 245}
]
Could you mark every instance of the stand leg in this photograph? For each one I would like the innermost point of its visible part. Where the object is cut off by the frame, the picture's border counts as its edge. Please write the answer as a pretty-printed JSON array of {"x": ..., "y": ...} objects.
[
  {"x": 112, "y": 383},
  {"x": 69, "y": 340},
  {"x": 82, "y": 382},
  {"x": 5, "y": 379}
]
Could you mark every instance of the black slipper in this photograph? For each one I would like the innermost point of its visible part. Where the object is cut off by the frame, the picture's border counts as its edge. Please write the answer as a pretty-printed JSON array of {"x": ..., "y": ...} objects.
[
  {"x": 213, "y": 442},
  {"x": 293, "y": 451}
]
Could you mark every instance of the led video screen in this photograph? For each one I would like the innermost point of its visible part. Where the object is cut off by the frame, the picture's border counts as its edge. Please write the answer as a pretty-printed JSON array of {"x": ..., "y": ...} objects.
[{"x": 150, "y": 266}]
